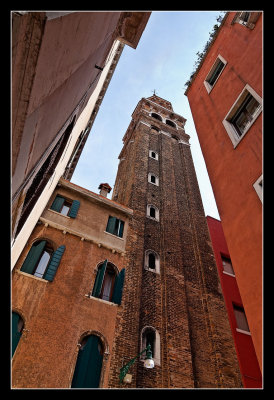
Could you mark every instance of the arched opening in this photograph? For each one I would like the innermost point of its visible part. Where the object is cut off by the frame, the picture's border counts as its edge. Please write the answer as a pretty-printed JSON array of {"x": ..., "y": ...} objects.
[
  {"x": 157, "y": 116},
  {"x": 89, "y": 363},
  {"x": 168, "y": 122}
]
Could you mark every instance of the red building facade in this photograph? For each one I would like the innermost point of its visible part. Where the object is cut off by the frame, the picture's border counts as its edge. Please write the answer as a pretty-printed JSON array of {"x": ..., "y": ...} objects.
[
  {"x": 225, "y": 96},
  {"x": 248, "y": 363}
]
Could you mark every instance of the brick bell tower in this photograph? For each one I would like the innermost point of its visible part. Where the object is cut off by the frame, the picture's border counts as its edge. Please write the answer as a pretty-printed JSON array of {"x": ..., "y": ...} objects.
[{"x": 172, "y": 297}]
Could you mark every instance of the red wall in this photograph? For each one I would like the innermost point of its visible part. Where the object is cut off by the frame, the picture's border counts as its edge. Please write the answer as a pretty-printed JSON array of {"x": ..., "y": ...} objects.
[{"x": 250, "y": 370}]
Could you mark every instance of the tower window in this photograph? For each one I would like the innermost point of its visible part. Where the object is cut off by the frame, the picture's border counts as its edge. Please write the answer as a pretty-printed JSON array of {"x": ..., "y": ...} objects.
[
  {"x": 168, "y": 122},
  {"x": 152, "y": 261},
  {"x": 152, "y": 178},
  {"x": 152, "y": 212},
  {"x": 151, "y": 336},
  {"x": 153, "y": 154},
  {"x": 157, "y": 116}
]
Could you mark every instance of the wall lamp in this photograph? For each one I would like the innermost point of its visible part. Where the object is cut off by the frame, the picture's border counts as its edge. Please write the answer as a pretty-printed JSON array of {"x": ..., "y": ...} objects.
[{"x": 149, "y": 363}]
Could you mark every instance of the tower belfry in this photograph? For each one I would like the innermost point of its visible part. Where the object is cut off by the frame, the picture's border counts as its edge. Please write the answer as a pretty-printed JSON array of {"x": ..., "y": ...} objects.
[{"x": 172, "y": 297}]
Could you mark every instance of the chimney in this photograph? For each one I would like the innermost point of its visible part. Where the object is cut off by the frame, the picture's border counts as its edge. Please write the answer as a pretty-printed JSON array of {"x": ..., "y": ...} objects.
[{"x": 104, "y": 189}]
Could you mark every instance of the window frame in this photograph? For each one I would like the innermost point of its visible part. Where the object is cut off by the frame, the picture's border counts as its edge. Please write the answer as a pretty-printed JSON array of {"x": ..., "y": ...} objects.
[
  {"x": 156, "y": 179},
  {"x": 234, "y": 110},
  {"x": 121, "y": 226},
  {"x": 156, "y": 155},
  {"x": 149, "y": 206},
  {"x": 157, "y": 261},
  {"x": 207, "y": 84},
  {"x": 240, "y": 309},
  {"x": 258, "y": 186}
]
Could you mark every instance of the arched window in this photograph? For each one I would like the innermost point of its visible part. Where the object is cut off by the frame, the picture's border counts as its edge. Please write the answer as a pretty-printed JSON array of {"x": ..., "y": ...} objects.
[
  {"x": 157, "y": 116},
  {"x": 168, "y": 122},
  {"x": 89, "y": 363},
  {"x": 153, "y": 154},
  {"x": 17, "y": 328},
  {"x": 155, "y": 128},
  {"x": 108, "y": 283},
  {"x": 152, "y": 178},
  {"x": 150, "y": 335},
  {"x": 152, "y": 212},
  {"x": 42, "y": 261},
  {"x": 152, "y": 261}
]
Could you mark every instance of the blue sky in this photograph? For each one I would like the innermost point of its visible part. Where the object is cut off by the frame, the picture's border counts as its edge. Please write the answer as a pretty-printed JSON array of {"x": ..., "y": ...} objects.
[{"x": 163, "y": 60}]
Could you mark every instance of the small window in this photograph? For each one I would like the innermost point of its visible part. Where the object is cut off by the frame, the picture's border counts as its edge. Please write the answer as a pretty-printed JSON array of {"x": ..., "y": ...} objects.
[
  {"x": 242, "y": 114},
  {"x": 227, "y": 266},
  {"x": 258, "y": 186},
  {"x": 156, "y": 116},
  {"x": 214, "y": 73},
  {"x": 115, "y": 226},
  {"x": 152, "y": 261},
  {"x": 170, "y": 123},
  {"x": 150, "y": 335},
  {"x": 152, "y": 212},
  {"x": 153, "y": 179},
  {"x": 241, "y": 321},
  {"x": 153, "y": 154},
  {"x": 17, "y": 329},
  {"x": 65, "y": 206}
]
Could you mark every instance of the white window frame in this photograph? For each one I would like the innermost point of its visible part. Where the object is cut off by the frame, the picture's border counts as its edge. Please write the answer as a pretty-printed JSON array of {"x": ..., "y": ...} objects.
[
  {"x": 157, "y": 262},
  {"x": 157, "y": 346},
  {"x": 258, "y": 188},
  {"x": 208, "y": 86},
  {"x": 156, "y": 154},
  {"x": 232, "y": 133},
  {"x": 156, "y": 179},
  {"x": 156, "y": 212}
]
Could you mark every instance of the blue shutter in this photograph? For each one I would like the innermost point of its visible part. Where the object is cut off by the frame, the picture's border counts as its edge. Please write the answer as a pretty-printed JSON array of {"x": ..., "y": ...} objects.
[
  {"x": 54, "y": 263},
  {"x": 118, "y": 287},
  {"x": 74, "y": 209},
  {"x": 33, "y": 257},
  {"x": 57, "y": 204},
  {"x": 111, "y": 224},
  {"x": 99, "y": 279},
  {"x": 15, "y": 334}
]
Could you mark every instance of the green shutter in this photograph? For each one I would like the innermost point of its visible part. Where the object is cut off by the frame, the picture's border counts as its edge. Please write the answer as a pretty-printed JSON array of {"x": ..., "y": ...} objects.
[
  {"x": 15, "y": 334},
  {"x": 99, "y": 279},
  {"x": 74, "y": 209},
  {"x": 118, "y": 287},
  {"x": 33, "y": 257},
  {"x": 121, "y": 230},
  {"x": 88, "y": 366},
  {"x": 111, "y": 224},
  {"x": 57, "y": 204},
  {"x": 54, "y": 263}
]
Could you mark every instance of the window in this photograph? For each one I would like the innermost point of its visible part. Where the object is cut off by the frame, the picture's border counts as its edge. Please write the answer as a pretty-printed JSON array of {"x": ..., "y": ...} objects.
[
  {"x": 153, "y": 154},
  {"x": 17, "y": 329},
  {"x": 65, "y": 207},
  {"x": 246, "y": 18},
  {"x": 154, "y": 115},
  {"x": 108, "y": 284},
  {"x": 170, "y": 123},
  {"x": 155, "y": 129},
  {"x": 214, "y": 73},
  {"x": 258, "y": 186},
  {"x": 152, "y": 178},
  {"x": 227, "y": 266},
  {"x": 242, "y": 114},
  {"x": 42, "y": 261},
  {"x": 152, "y": 212},
  {"x": 241, "y": 321},
  {"x": 150, "y": 335},
  {"x": 115, "y": 226},
  {"x": 152, "y": 261}
]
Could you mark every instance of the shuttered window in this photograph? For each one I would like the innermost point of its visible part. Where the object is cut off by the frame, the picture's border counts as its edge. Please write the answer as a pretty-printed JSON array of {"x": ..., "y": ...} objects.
[
  {"x": 115, "y": 226},
  {"x": 65, "y": 207},
  {"x": 17, "y": 328},
  {"x": 42, "y": 261},
  {"x": 108, "y": 286}
]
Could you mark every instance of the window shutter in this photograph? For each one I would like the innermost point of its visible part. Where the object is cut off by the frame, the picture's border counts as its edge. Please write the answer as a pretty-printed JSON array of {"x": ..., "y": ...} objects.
[
  {"x": 99, "y": 280},
  {"x": 33, "y": 257},
  {"x": 74, "y": 209},
  {"x": 15, "y": 334},
  {"x": 118, "y": 287},
  {"x": 54, "y": 263},
  {"x": 57, "y": 204},
  {"x": 121, "y": 230},
  {"x": 111, "y": 224}
]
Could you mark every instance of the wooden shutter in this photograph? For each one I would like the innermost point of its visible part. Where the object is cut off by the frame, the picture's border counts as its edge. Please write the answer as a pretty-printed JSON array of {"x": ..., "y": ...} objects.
[
  {"x": 111, "y": 224},
  {"x": 74, "y": 209},
  {"x": 121, "y": 230},
  {"x": 15, "y": 334},
  {"x": 33, "y": 257},
  {"x": 99, "y": 280},
  {"x": 54, "y": 263},
  {"x": 118, "y": 287},
  {"x": 88, "y": 366},
  {"x": 57, "y": 204}
]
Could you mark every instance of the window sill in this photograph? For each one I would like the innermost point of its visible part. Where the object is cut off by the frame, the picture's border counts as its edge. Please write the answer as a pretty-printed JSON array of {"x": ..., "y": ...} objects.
[
  {"x": 227, "y": 273},
  {"x": 31, "y": 276},
  {"x": 244, "y": 332},
  {"x": 55, "y": 212},
  {"x": 112, "y": 234},
  {"x": 101, "y": 300}
]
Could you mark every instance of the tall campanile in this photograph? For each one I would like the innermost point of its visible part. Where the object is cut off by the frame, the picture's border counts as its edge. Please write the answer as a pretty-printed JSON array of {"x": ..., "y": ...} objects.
[{"x": 172, "y": 298}]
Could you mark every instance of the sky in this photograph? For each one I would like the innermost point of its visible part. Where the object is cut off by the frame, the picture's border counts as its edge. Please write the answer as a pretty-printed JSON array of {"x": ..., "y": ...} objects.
[{"x": 163, "y": 61}]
